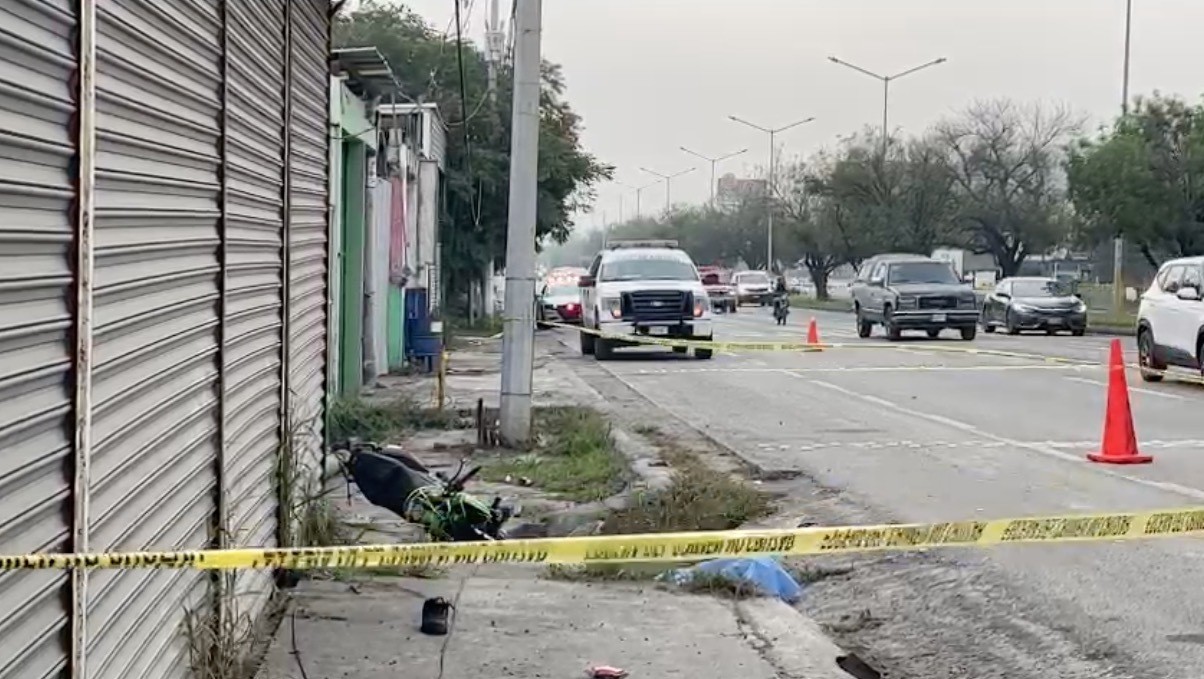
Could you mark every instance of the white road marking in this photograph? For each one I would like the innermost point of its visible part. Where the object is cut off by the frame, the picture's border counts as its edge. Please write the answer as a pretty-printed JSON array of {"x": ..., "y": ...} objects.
[
  {"x": 1041, "y": 448},
  {"x": 972, "y": 443},
  {"x": 870, "y": 369},
  {"x": 1139, "y": 390}
]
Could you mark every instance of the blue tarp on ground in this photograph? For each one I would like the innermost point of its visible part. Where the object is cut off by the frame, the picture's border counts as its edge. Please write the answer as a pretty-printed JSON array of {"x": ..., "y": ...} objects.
[{"x": 762, "y": 572}]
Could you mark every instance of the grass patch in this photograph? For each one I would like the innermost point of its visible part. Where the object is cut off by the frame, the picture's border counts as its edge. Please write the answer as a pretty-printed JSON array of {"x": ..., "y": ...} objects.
[
  {"x": 807, "y": 302},
  {"x": 1108, "y": 320},
  {"x": 486, "y": 326},
  {"x": 574, "y": 458},
  {"x": 381, "y": 421},
  {"x": 698, "y": 499}
]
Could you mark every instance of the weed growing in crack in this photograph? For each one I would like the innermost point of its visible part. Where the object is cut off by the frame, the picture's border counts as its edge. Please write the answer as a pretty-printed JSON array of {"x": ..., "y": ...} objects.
[{"x": 382, "y": 422}]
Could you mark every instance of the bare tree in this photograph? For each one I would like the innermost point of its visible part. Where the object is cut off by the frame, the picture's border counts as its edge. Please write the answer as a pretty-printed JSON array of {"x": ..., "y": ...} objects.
[{"x": 1006, "y": 164}]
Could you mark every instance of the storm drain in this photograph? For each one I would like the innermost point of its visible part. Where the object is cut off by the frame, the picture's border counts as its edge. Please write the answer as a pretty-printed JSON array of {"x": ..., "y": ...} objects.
[{"x": 856, "y": 667}]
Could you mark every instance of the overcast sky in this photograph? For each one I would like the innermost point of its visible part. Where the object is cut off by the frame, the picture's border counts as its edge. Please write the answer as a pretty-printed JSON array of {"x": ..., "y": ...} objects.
[{"x": 649, "y": 76}]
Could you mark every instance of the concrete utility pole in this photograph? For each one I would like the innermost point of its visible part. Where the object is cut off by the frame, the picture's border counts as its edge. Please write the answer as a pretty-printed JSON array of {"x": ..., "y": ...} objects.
[
  {"x": 668, "y": 179},
  {"x": 713, "y": 162},
  {"x": 769, "y": 193},
  {"x": 1118, "y": 245},
  {"x": 518, "y": 339},
  {"x": 886, "y": 81}
]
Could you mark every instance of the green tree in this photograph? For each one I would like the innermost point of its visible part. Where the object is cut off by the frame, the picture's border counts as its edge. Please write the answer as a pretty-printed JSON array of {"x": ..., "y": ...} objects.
[
  {"x": 1006, "y": 164},
  {"x": 1144, "y": 179},
  {"x": 428, "y": 63}
]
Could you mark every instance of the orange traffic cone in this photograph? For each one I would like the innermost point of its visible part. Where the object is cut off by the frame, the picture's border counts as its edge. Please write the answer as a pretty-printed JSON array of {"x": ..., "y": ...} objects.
[
  {"x": 813, "y": 334},
  {"x": 1120, "y": 438}
]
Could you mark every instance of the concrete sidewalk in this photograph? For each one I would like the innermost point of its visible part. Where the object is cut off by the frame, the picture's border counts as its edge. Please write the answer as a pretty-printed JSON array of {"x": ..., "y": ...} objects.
[{"x": 512, "y": 623}]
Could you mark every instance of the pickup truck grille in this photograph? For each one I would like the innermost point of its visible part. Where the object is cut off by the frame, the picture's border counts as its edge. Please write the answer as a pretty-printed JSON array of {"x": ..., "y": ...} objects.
[
  {"x": 657, "y": 305},
  {"x": 938, "y": 303}
]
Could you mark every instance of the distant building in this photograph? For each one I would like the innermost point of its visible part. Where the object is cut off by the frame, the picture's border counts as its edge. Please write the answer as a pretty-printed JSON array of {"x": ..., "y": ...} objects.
[{"x": 730, "y": 190}]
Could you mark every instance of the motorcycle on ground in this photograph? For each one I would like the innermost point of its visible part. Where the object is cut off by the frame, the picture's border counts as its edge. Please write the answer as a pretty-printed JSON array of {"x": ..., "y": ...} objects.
[{"x": 397, "y": 481}]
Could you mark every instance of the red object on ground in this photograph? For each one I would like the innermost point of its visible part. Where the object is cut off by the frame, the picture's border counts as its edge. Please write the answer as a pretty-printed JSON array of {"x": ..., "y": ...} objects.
[
  {"x": 812, "y": 332},
  {"x": 1120, "y": 437}
]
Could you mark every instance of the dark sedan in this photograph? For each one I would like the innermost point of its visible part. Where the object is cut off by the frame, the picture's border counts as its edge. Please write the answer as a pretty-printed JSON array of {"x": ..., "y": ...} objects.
[{"x": 1043, "y": 304}]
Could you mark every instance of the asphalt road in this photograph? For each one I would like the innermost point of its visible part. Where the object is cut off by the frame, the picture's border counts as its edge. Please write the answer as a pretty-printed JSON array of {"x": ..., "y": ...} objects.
[{"x": 915, "y": 434}]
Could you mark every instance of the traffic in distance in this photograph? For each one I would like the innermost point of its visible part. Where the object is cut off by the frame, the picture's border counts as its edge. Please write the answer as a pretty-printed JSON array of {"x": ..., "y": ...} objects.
[{"x": 652, "y": 288}]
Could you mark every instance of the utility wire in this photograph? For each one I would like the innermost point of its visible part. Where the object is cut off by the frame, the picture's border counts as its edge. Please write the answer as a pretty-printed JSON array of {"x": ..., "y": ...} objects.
[{"x": 475, "y": 205}]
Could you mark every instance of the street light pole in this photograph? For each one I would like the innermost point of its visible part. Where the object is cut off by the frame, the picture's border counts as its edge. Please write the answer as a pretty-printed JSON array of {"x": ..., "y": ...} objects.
[
  {"x": 772, "y": 132},
  {"x": 713, "y": 162},
  {"x": 886, "y": 81},
  {"x": 1118, "y": 244},
  {"x": 668, "y": 179}
]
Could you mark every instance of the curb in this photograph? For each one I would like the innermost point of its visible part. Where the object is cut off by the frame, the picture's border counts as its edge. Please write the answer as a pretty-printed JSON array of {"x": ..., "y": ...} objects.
[{"x": 792, "y": 642}]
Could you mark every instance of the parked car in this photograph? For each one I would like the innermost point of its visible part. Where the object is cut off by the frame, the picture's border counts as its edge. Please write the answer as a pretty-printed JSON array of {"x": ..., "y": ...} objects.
[
  {"x": 1170, "y": 319},
  {"x": 753, "y": 286},
  {"x": 559, "y": 302},
  {"x": 914, "y": 293},
  {"x": 643, "y": 288},
  {"x": 1033, "y": 303}
]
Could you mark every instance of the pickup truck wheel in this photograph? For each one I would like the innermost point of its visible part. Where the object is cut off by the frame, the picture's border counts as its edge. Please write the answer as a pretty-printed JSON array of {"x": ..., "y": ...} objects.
[
  {"x": 680, "y": 350},
  {"x": 893, "y": 332},
  {"x": 934, "y": 333},
  {"x": 968, "y": 333},
  {"x": 704, "y": 354},
  {"x": 588, "y": 343},
  {"x": 603, "y": 349},
  {"x": 864, "y": 327}
]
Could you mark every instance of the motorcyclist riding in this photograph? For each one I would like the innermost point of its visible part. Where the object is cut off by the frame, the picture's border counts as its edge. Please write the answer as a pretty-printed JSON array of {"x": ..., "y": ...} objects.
[{"x": 781, "y": 301}]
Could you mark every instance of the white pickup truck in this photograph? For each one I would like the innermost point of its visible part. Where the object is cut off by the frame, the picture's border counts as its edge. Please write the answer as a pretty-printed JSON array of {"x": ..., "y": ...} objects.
[{"x": 643, "y": 289}]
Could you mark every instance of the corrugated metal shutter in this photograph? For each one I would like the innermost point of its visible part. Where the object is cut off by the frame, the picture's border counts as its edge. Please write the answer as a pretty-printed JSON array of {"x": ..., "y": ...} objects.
[
  {"x": 308, "y": 235},
  {"x": 156, "y": 416},
  {"x": 36, "y": 284},
  {"x": 254, "y": 308}
]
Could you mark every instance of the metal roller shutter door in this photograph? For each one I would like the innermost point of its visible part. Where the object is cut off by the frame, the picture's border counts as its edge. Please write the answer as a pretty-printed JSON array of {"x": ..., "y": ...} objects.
[
  {"x": 156, "y": 416},
  {"x": 308, "y": 235},
  {"x": 36, "y": 346},
  {"x": 254, "y": 281}
]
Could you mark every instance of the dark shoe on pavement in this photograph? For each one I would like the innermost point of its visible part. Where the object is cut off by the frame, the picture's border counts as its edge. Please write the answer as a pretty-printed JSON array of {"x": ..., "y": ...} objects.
[{"x": 434, "y": 616}]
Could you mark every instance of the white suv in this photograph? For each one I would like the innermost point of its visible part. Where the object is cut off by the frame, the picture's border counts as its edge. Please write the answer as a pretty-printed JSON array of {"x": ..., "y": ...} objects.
[
  {"x": 643, "y": 289},
  {"x": 1170, "y": 321}
]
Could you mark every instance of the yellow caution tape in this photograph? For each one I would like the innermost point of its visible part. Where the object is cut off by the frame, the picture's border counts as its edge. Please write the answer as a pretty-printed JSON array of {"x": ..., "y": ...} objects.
[{"x": 676, "y": 547}]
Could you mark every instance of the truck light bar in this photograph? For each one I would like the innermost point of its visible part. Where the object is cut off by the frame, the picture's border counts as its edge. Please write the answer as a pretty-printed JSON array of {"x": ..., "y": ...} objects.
[{"x": 618, "y": 244}]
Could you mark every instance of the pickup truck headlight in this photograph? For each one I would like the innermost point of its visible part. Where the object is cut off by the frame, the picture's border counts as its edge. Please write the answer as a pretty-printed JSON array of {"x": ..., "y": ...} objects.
[
  {"x": 1081, "y": 307},
  {"x": 1024, "y": 308},
  {"x": 907, "y": 302},
  {"x": 613, "y": 306},
  {"x": 701, "y": 304}
]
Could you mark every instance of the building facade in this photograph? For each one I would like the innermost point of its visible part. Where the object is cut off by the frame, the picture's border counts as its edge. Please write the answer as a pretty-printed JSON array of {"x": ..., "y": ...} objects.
[{"x": 164, "y": 275}]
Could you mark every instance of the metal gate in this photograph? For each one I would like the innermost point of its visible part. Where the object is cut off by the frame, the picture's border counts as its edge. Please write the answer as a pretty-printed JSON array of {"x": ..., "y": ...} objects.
[
  {"x": 156, "y": 416},
  {"x": 147, "y": 290},
  {"x": 37, "y": 286},
  {"x": 309, "y": 115},
  {"x": 256, "y": 154}
]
